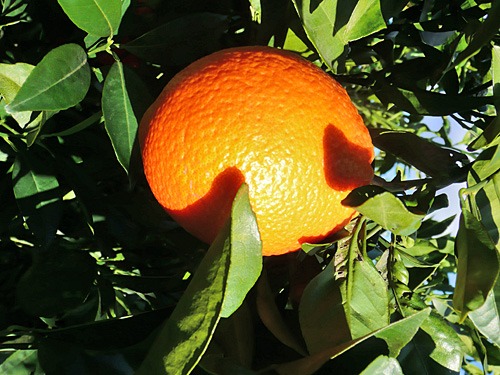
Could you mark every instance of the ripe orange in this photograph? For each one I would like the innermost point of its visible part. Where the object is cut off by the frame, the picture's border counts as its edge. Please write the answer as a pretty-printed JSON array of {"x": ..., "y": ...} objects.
[{"x": 267, "y": 117}]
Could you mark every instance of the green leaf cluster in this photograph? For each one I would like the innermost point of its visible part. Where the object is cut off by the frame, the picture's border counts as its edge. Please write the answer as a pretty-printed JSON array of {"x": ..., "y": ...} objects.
[{"x": 95, "y": 278}]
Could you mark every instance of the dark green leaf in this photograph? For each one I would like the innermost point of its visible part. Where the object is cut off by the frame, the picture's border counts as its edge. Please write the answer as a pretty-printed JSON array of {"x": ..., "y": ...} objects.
[
  {"x": 110, "y": 334},
  {"x": 433, "y": 160},
  {"x": 182, "y": 40},
  {"x": 60, "y": 81},
  {"x": 477, "y": 265},
  {"x": 383, "y": 365},
  {"x": 97, "y": 17},
  {"x": 271, "y": 315},
  {"x": 232, "y": 348},
  {"x": 396, "y": 335},
  {"x": 76, "y": 128},
  {"x": 119, "y": 118},
  {"x": 384, "y": 208},
  {"x": 483, "y": 34},
  {"x": 422, "y": 102},
  {"x": 37, "y": 194},
  {"x": 58, "y": 280},
  {"x": 322, "y": 317}
]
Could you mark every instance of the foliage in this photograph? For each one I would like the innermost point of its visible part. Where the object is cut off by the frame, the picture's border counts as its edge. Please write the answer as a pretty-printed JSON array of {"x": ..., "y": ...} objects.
[{"x": 96, "y": 278}]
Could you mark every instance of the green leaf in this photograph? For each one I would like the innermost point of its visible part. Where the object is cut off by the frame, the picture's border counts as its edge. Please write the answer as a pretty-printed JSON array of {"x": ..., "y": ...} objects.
[
  {"x": 37, "y": 194},
  {"x": 477, "y": 264},
  {"x": 271, "y": 316},
  {"x": 384, "y": 208},
  {"x": 91, "y": 120},
  {"x": 396, "y": 336},
  {"x": 487, "y": 320},
  {"x": 484, "y": 187},
  {"x": 383, "y": 365},
  {"x": 445, "y": 347},
  {"x": 332, "y": 24},
  {"x": 415, "y": 100},
  {"x": 12, "y": 77},
  {"x": 181, "y": 40},
  {"x": 483, "y": 34},
  {"x": 60, "y": 81},
  {"x": 322, "y": 317},
  {"x": 97, "y": 17},
  {"x": 59, "y": 280},
  {"x": 21, "y": 362},
  {"x": 232, "y": 348},
  {"x": 324, "y": 27},
  {"x": 119, "y": 118},
  {"x": 366, "y": 19},
  {"x": 368, "y": 305},
  {"x": 246, "y": 253},
  {"x": 256, "y": 10},
  {"x": 424, "y": 155},
  {"x": 186, "y": 335},
  {"x": 485, "y": 166}
]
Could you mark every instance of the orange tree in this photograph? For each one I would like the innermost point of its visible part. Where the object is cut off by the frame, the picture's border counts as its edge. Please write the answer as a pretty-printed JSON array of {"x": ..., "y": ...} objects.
[{"x": 95, "y": 278}]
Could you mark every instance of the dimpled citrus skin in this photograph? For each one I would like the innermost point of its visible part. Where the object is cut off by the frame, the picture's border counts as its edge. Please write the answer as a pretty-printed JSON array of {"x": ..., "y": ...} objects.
[{"x": 262, "y": 116}]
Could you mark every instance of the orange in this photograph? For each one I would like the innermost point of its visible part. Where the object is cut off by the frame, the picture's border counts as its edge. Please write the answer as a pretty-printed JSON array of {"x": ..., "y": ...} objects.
[{"x": 266, "y": 117}]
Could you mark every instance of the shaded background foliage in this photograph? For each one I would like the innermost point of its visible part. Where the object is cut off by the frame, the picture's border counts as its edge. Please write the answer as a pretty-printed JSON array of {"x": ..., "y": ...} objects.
[{"x": 90, "y": 266}]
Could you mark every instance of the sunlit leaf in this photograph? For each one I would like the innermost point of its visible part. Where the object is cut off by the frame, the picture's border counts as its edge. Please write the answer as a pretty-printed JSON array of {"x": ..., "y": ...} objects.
[
  {"x": 21, "y": 362},
  {"x": 369, "y": 303},
  {"x": 119, "y": 117},
  {"x": 384, "y": 208},
  {"x": 97, "y": 17},
  {"x": 487, "y": 320},
  {"x": 12, "y": 77},
  {"x": 60, "y": 81},
  {"x": 256, "y": 10},
  {"x": 246, "y": 254},
  {"x": 383, "y": 365},
  {"x": 324, "y": 27},
  {"x": 186, "y": 335},
  {"x": 366, "y": 18},
  {"x": 447, "y": 348}
]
